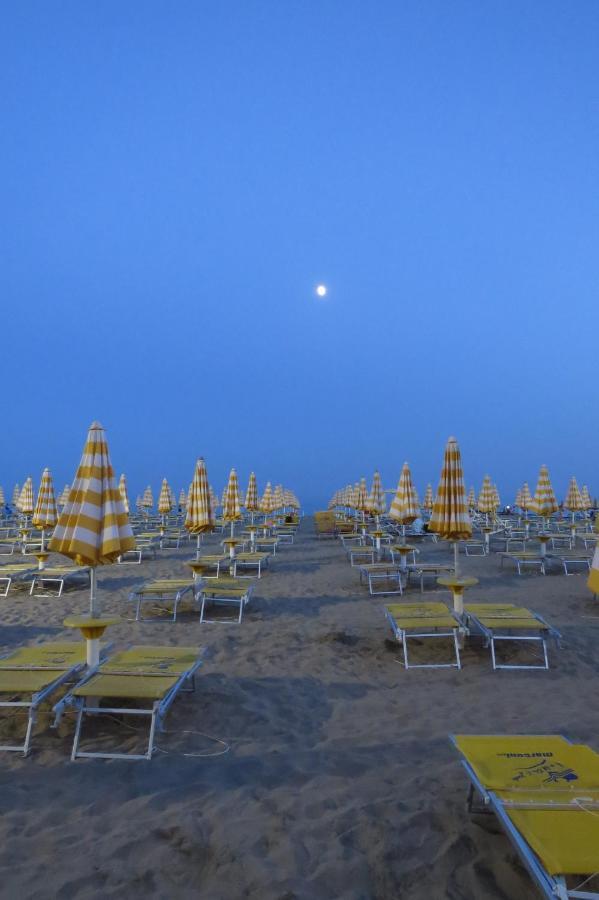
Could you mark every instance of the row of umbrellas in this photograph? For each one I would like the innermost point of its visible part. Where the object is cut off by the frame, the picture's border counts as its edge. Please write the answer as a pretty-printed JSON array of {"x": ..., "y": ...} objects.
[{"x": 271, "y": 500}]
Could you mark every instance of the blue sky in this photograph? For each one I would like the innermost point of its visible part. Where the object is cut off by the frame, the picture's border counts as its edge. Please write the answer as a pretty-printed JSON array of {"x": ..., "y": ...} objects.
[{"x": 177, "y": 178}]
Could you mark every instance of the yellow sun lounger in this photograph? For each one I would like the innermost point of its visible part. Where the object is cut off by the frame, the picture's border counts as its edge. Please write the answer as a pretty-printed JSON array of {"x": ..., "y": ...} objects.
[
  {"x": 29, "y": 675},
  {"x": 57, "y": 575},
  {"x": 10, "y": 573},
  {"x": 148, "y": 677},
  {"x": 225, "y": 590},
  {"x": 162, "y": 591},
  {"x": 544, "y": 791},
  {"x": 424, "y": 621},
  {"x": 387, "y": 575},
  {"x": 256, "y": 561},
  {"x": 507, "y": 622}
]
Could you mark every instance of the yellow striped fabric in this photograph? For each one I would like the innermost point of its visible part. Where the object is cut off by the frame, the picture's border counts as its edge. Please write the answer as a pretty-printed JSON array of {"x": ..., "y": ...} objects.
[
  {"x": 165, "y": 503},
  {"x": 147, "y": 501},
  {"x": 544, "y": 502},
  {"x": 25, "y": 504},
  {"x": 182, "y": 499},
  {"x": 93, "y": 528},
  {"x": 471, "y": 498},
  {"x": 593, "y": 582},
  {"x": 518, "y": 500},
  {"x": 525, "y": 497},
  {"x": 573, "y": 501},
  {"x": 231, "y": 504},
  {"x": 450, "y": 517},
  {"x": 486, "y": 498},
  {"x": 65, "y": 495},
  {"x": 45, "y": 515},
  {"x": 266, "y": 503},
  {"x": 139, "y": 505},
  {"x": 215, "y": 500},
  {"x": 428, "y": 501},
  {"x": 291, "y": 500},
  {"x": 123, "y": 492},
  {"x": 496, "y": 497},
  {"x": 362, "y": 496},
  {"x": 376, "y": 498},
  {"x": 403, "y": 509},
  {"x": 2, "y": 500},
  {"x": 251, "y": 495},
  {"x": 16, "y": 493},
  {"x": 200, "y": 514},
  {"x": 584, "y": 493},
  {"x": 277, "y": 497}
]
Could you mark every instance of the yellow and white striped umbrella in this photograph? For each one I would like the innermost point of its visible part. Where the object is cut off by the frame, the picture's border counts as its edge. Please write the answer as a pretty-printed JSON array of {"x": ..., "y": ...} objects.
[
  {"x": 277, "y": 497},
  {"x": 403, "y": 509},
  {"x": 496, "y": 497},
  {"x": 251, "y": 495},
  {"x": 291, "y": 500},
  {"x": 544, "y": 502},
  {"x": 2, "y": 500},
  {"x": 182, "y": 499},
  {"x": 518, "y": 500},
  {"x": 139, "y": 504},
  {"x": 266, "y": 503},
  {"x": 362, "y": 497},
  {"x": 231, "y": 505},
  {"x": 25, "y": 504},
  {"x": 64, "y": 496},
  {"x": 486, "y": 498},
  {"x": 200, "y": 514},
  {"x": 376, "y": 498},
  {"x": 428, "y": 501},
  {"x": 147, "y": 501},
  {"x": 45, "y": 515},
  {"x": 471, "y": 498},
  {"x": 165, "y": 503},
  {"x": 586, "y": 497},
  {"x": 593, "y": 582},
  {"x": 573, "y": 501},
  {"x": 215, "y": 501},
  {"x": 123, "y": 492},
  {"x": 525, "y": 497},
  {"x": 450, "y": 519},
  {"x": 93, "y": 529},
  {"x": 16, "y": 493}
]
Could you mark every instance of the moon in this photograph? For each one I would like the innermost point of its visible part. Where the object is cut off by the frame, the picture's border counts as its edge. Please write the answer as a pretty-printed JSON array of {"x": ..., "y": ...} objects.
[{"x": 321, "y": 290}]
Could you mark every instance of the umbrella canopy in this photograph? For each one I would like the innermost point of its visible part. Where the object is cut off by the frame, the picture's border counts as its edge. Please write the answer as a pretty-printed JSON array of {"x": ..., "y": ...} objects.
[
  {"x": 25, "y": 504},
  {"x": 496, "y": 497},
  {"x": 518, "y": 500},
  {"x": 165, "y": 503},
  {"x": 471, "y": 498},
  {"x": 486, "y": 498},
  {"x": 214, "y": 498},
  {"x": 525, "y": 497},
  {"x": 403, "y": 509},
  {"x": 2, "y": 500},
  {"x": 64, "y": 495},
  {"x": 93, "y": 528},
  {"x": 362, "y": 497},
  {"x": 251, "y": 495},
  {"x": 200, "y": 514},
  {"x": 376, "y": 498},
  {"x": 584, "y": 493},
  {"x": 123, "y": 492},
  {"x": 266, "y": 503},
  {"x": 450, "y": 519},
  {"x": 574, "y": 501},
  {"x": 231, "y": 505},
  {"x": 277, "y": 498},
  {"x": 429, "y": 500},
  {"x": 291, "y": 500},
  {"x": 16, "y": 493},
  {"x": 182, "y": 499},
  {"x": 544, "y": 501},
  {"x": 147, "y": 501},
  {"x": 45, "y": 515}
]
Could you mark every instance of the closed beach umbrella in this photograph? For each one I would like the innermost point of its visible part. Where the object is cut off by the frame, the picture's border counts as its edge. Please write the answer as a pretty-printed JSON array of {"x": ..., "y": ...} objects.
[
  {"x": 574, "y": 501},
  {"x": 544, "y": 501},
  {"x": 251, "y": 496},
  {"x": 291, "y": 500},
  {"x": 200, "y": 515},
  {"x": 450, "y": 519},
  {"x": 231, "y": 504},
  {"x": 486, "y": 498},
  {"x": 362, "y": 497},
  {"x": 2, "y": 500},
  {"x": 16, "y": 493},
  {"x": 277, "y": 499},
  {"x": 403, "y": 509},
  {"x": 64, "y": 495},
  {"x": 147, "y": 501},
  {"x": 472, "y": 498},
  {"x": 214, "y": 498},
  {"x": 518, "y": 500},
  {"x": 584, "y": 493},
  {"x": 93, "y": 529},
  {"x": 496, "y": 497},
  {"x": 266, "y": 503},
  {"x": 376, "y": 499},
  {"x": 45, "y": 515},
  {"x": 26, "y": 498},
  {"x": 525, "y": 497},
  {"x": 428, "y": 501},
  {"x": 123, "y": 492},
  {"x": 182, "y": 499},
  {"x": 139, "y": 504},
  {"x": 165, "y": 503}
]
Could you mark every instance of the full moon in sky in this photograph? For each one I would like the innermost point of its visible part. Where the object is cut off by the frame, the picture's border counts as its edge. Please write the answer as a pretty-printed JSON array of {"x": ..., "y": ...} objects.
[{"x": 321, "y": 290}]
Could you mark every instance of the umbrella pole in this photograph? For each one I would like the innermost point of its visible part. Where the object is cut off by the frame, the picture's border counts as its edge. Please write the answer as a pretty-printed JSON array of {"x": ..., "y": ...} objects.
[
  {"x": 92, "y": 592},
  {"x": 199, "y": 538},
  {"x": 456, "y": 557}
]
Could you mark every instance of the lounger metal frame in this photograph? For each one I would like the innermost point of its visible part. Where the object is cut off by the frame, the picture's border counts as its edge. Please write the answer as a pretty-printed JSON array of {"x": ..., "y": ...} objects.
[
  {"x": 491, "y": 636},
  {"x": 172, "y": 594},
  {"x": 521, "y": 560},
  {"x": 43, "y": 576},
  {"x": 206, "y": 597},
  {"x": 386, "y": 572},
  {"x": 402, "y": 636}
]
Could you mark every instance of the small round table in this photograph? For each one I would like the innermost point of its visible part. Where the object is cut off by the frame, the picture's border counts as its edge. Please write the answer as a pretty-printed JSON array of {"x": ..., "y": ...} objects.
[
  {"x": 403, "y": 550},
  {"x": 457, "y": 587},
  {"x": 41, "y": 557},
  {"x": 377, "y": 535},
  {"x": 543, "y": 540},
  {"x": 92, "y": 628}
]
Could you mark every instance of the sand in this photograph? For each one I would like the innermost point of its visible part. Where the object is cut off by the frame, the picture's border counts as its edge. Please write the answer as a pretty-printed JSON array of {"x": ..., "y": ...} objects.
[{"x": 339, "y": 780}]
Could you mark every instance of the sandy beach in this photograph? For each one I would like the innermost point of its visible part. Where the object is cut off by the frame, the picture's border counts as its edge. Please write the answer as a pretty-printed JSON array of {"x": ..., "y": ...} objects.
[{"x": 336, "y": 778}]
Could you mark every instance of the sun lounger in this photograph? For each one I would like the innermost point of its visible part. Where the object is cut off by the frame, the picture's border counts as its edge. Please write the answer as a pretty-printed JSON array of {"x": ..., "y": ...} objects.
[
  {"x": 212, "y": 562},
  {"x": 30, "y": 675},
  {"x": 361, "y": 556},
  {"x": 507, "y": 622},
  {"x": 61, "y": 576},
  {"x": 570, "y": 559},
  {"x": 266, "y": 544},
  {"x": 544, "y": 792},
  {"x": 475, "y": 548},
  {"x": 424, "y": 621},
  {"x": 13, "y": 573},
  {"x": 149, "y": 677},
  {"x": 9, "y": 545},
  {"x": 162, "y": 592},
  {"x": 145, "y": 548},
  {"x": 386, "y": 574},
  {"x": 427, "y": 570},
  {"x": 227, "y": 591},
  {"x": 589, "y": 540},
  {"x": 520, "y": 560},
  {"x": 171, "y": 540},
  {"x": 256, "y": 561}
]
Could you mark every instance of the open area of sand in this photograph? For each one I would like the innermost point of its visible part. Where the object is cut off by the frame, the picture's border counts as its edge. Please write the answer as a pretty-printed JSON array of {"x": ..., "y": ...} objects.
[{"x": 333, "y": 775}]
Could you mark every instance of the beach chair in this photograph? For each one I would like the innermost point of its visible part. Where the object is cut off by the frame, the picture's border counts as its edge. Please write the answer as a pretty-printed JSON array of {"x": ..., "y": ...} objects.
[
  {"x": 544, "y": 791},
  {"x": 9, "y": 545},
  {"x": 61, "y": 576},
  {"x": 266, "y": 544},
  {"x": 475, "y": 548},
  {"x": 424, "y": 621},
  {"x": 507, "y": 622},
  {"x": 30, "y": 675},
  {"x": 361, "y": 556},
  {"x": 150, "y": 678},
  {"x": 325, "y": 524},
  {"x": 13, "y": 573},
  {"x": 570, "y": 559},
  {"x": 427, "y": 570},
  {"x": 256, "y": 561},
  {"x": 522, "y": 560},
  {"x": 162, "y": 592},
  {"x": 212, "y": 561},
  {"x": 225, "y": 591},
  {"x": 387, "y": 575},
  {"x": 145, "y": 548}
]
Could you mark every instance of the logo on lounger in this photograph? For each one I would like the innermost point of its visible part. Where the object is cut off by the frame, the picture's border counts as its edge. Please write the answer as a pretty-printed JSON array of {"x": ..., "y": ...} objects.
[{"x": 553, "y": 772}]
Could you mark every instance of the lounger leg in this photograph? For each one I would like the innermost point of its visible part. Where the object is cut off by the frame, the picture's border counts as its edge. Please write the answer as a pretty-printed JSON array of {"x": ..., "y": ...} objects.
[
  {"x": 77, "y": 731},
  {"x": 405, "y": 649},
  {"x": 151, "y": 738},
  {"x": 457, "y": 647},
  {"x": 138, "y": 610},
  {"x": 240, "y": 612},
  {"x": 545, "y": 654},
  {"x": 28, "y": 733},
  {"x": 202, "y": 609},
  {"x": 493, "y": 653}
]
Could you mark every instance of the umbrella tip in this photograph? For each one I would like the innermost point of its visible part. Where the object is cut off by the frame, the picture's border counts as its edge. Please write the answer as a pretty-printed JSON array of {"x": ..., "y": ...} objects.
[{"x": 95, "y": 426}]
